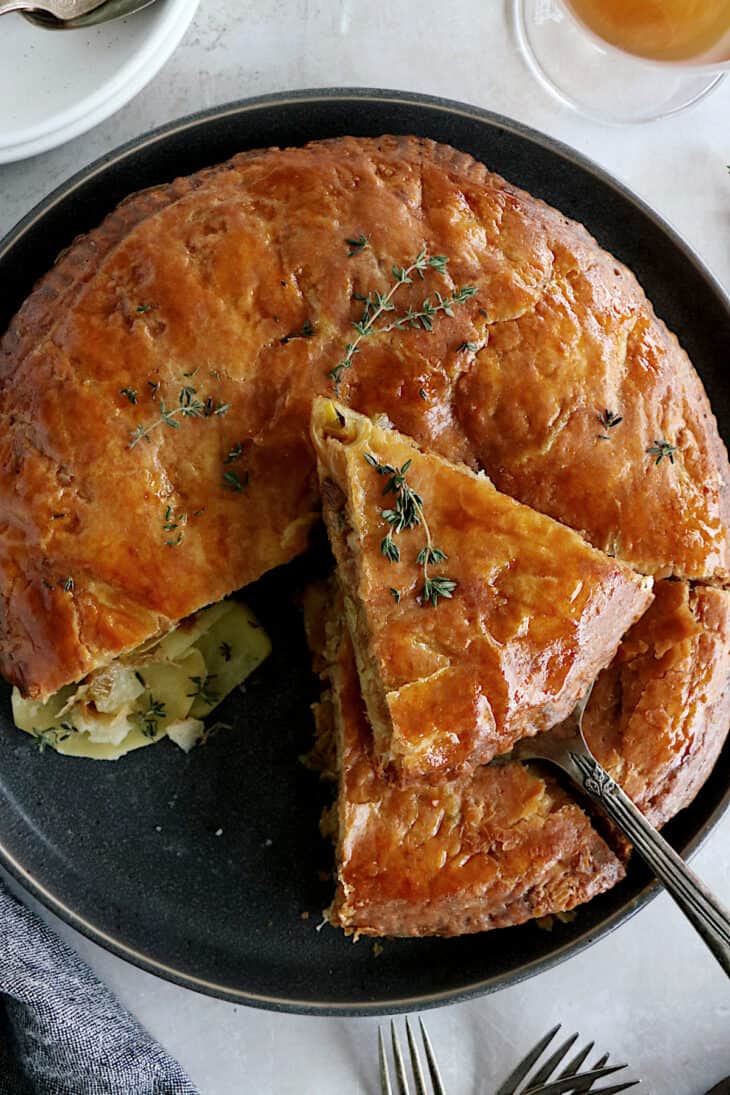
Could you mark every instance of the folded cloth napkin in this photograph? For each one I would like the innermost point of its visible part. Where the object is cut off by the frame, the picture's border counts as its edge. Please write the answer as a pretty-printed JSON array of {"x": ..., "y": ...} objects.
[{"x": 61, "y": 1030}]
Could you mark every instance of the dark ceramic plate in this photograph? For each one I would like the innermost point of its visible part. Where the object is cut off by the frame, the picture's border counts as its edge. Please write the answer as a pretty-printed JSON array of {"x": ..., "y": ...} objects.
[{"x": 128, "y": 852}]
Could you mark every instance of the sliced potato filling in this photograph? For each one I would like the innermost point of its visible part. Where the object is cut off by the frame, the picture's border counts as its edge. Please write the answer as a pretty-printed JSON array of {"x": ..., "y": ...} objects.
[{"x": 163, "y": 689}]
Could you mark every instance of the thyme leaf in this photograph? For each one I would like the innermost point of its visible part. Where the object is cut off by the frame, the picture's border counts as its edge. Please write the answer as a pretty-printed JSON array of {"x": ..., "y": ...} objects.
[
  {"x": 357, "y": 245},
  {"x": 232, "y": 482},
  {"x": 608, "y": 420},
  {"x": 433, "y": 588},
  {"x": 660, "y": 449},
  {"x": 149, "y": 720},
  {"x": 49, "y": 739},
  {"x": 203, "y": 691},
  {"x": 306, "y": 331},
  {"x": 174, "y": 525}
]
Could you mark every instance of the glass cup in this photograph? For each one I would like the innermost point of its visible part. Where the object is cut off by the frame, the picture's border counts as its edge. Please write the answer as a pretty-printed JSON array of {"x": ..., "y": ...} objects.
[{"x": 602, "y": 81}]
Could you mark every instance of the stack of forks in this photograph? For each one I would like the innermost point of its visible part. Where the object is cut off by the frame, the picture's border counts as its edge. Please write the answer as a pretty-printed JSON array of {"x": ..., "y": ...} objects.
[{"x": 522, "y": 1081}]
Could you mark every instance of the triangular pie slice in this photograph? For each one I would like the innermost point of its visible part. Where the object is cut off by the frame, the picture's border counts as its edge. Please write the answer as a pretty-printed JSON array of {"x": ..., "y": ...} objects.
[
  {"x": 488, "y": 851},
  {"x": 492, "y": 640}
]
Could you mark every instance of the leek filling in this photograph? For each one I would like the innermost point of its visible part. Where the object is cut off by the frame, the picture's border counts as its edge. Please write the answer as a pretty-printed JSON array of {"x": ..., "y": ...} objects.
[{"x": 165, "y": 688}]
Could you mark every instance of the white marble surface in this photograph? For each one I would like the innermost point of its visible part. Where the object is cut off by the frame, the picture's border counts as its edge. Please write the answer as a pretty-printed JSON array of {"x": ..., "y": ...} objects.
[{"x": 650, "y": 992}]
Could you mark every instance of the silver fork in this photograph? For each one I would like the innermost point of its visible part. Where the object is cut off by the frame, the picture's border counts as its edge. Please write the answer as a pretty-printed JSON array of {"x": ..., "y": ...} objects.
[
  {"x": 565, "y": 746},
  {"x": 60, "y": 9},
  {"x": 570, "y": 1080},
  {"x": 403, "y": 1087}
]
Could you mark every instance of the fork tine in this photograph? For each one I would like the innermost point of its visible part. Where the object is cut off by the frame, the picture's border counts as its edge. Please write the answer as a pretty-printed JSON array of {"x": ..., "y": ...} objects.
[
  {"x": 433, "y": 1068},
  {"x": 515, "y": 1078},
  {"x": 616, "y": 1088},
  {"x": 385, "y": 1088},
  {"x": 601, "y": 1061},
  {"x": 418, "y": 1076},
  {"x": 574, "y": 1084},
  {"x": 545, "y": 1072},
  {"x": 573, "y": 1066},
  {"x": 400, "y": 1068}
]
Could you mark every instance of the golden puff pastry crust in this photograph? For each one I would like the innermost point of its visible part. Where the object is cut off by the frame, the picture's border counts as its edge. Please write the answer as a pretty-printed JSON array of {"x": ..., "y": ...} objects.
[
  {"x": 659, "y": 715},
  {"x": 238, "y": 282},
  {"x": 536, "y": 611},
  {"x": 491, "y": 850}
]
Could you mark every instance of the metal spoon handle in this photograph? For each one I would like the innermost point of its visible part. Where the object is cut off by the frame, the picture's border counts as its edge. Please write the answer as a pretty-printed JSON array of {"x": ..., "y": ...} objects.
[
  {"x": 701, "y": 908},
  {"x": 13, "y": 5}
]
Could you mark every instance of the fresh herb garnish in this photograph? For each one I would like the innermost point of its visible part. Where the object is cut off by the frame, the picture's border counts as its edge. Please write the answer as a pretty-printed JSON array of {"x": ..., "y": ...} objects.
[
  {"x": 203, "y": 691},
  {"x": 357, "y": 245},
  {"x": 472, "y": 347},
  {"x": 49, "y": 739},
  {"x": 142, "y": 308},
  {"x": 130, "y": 393},
  {"x": 154, "y": 386},
  {"x": 174, "y": 524},
  {"x": 67, "y": 585},
  {"x": 433, "y": 588},
  {"x": 189, "y": 406},
  {"x": 235, "y": 452},
  {"x": 660, "y": 449},
  {"x": 232, "y": 482},
  {"x": 395, "y": 594},
  {"x": 57, "y": 516},
  {"x": 377, "y": 304},
  {"x": 149, "y": 720},
  {"x": 407, "y": 513},
  {"x": 608, "y": 420},
  {"x": 306, "y": 331},
  {"x": 423, "y": 394}
]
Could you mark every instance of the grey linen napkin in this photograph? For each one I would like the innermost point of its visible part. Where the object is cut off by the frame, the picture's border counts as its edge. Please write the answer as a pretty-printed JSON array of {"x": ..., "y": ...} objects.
[{"x": 61, "y": 1030}]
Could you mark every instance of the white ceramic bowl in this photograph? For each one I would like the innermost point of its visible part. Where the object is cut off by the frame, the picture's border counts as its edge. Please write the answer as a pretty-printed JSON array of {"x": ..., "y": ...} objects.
[{"x": 55, "y": 85}]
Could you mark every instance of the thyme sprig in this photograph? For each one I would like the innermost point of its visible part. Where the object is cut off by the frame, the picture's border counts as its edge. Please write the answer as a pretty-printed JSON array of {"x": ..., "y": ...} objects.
[
  {"x": 407, "y": 512},
  {"x": 660, "y": 449},
  {"x": 608, "y": 420},
  {"x": 188, "y": 406},
  {"x": 376, "y": 304}
]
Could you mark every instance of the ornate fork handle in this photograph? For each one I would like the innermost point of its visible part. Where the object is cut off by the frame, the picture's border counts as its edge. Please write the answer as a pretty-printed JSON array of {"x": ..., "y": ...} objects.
[{"x": 705, "y": 912}]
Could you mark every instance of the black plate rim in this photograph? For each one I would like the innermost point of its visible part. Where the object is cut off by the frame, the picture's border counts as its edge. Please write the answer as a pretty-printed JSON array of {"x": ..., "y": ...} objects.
[{"x": 484, "y": 985}]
